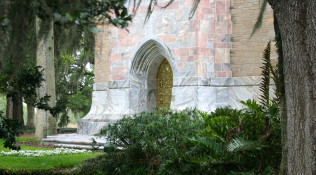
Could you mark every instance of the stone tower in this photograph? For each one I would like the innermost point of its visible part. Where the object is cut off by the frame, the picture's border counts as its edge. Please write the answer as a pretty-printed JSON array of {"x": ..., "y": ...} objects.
[{"x": 173, "y": 61}]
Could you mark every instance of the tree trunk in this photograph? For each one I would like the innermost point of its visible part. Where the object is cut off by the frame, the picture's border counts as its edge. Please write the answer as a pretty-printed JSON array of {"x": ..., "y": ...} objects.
[
  {"x": 30, "y": 116},
  {"x": 297, "y": 22},
  {"x": 9, "y": 108},
  {"x": 18, "y": 109},
  {"x": 46, "y": 124}
]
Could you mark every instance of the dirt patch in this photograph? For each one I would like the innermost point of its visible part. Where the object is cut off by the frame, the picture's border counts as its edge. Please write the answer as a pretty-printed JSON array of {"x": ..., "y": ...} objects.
[
  {"x": 31, "y": 143},
  {"x": 27, "y": 135}
]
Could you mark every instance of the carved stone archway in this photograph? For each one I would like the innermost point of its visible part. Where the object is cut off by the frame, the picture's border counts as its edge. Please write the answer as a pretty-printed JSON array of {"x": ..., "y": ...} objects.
[{"x": 144, "y": 67}]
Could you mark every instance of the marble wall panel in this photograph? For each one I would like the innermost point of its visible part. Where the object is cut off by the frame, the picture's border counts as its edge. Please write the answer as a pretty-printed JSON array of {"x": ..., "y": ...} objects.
[
  {"x": 206, "y": 98},
  {"x": 183, "y": 97}
]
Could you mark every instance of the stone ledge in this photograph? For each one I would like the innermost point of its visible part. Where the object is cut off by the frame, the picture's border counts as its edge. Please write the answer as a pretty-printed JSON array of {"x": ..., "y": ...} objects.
[{"x": 75, "y": 141}]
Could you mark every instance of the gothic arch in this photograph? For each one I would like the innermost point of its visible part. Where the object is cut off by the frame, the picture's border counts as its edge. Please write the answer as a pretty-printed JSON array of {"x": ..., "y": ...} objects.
[{"x": 147, "y": 57}]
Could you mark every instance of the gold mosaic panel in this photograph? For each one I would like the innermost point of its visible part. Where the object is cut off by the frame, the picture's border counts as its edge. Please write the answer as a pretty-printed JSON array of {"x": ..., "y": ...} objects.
[{"x": 164, "y": 83}]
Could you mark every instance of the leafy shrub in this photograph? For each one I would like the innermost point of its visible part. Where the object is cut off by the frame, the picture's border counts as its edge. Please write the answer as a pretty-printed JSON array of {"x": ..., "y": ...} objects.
[
  {"x": 240, "y": 141},
  {"x": 152, "y": 142},
  {"x": 9, "y": 130}
]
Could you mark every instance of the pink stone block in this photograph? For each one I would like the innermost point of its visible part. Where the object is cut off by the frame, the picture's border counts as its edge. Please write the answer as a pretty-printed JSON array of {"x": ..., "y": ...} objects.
[
  {"x": 197, "y": 58},
  {"x": 229, "y": 74},
  {"x": 227, "y": 6},
  {"x": 118, "y": 77},
  {"x": 168, "y": 38},
  {"x": 206, "y": 52},
  {"x": 208, "y": 10},
  {"x": 202, "y": 69},
  {"x": 186, "y": 59},
  {"x": 229, "y": 28},
  {"x": 219, "y": 55},
  {"x": 229, "y": 45},
  {"x": 211, "y": 37},
  {"x": 204, "y": 3},
  {"x": 199, "y": 14},
  {"x": 115, "y": 57},
  {"x": 181, "y": 52},
  {"x": 123, "y": 34},
  {"x": 220, "y": 27},
  {"x": 198, "y": 38},
  {"x": 194, "y": 51},
  {"x": 220, "y": 7},
  {"x": 220, "y": 37},
  {"x": 194, "y": 25},
  {"x": 125, "y": 42},
  {"x": 122, "y": 71},
  {"x": 203, "y": 40},
  {"x": 221, "y": 74},
  {"x": 219, "y": 45},
  {"x": 227, "y": 18}
]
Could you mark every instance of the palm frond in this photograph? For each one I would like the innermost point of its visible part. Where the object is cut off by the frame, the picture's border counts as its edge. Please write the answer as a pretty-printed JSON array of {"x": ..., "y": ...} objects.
[
  {"x": 260, "y": 17},
  {"x": 210, "y": 144},
  {"x": 240, "y": 144},
  {"x": 264, "y": 86},
  {"x": 153, "y": 3}
]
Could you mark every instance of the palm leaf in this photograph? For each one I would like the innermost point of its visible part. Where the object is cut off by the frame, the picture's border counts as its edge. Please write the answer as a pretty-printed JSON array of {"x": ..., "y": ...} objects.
[
  {"x": 265, "y": 83},
  {"x": 211, "y": 144},
  {"x": 240, "y": 144}
]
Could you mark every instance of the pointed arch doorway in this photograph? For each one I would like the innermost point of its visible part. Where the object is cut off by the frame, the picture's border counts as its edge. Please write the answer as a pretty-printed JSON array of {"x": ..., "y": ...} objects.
[{"x": 164, "y": 83}]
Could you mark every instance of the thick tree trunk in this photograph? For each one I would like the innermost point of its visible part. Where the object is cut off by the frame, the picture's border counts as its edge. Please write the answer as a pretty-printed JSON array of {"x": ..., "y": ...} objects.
[
  {"x": 46, "y": 124},
  {"x": 9, "y": 108},
  {"x": 297, "y": 22},
  {"x": 18, "y": 109},
  {"x": 30, "y": 116}
]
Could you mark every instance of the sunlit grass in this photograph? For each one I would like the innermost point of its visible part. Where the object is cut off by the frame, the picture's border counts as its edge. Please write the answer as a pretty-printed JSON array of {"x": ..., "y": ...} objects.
[{"x": 40, "y": 163}]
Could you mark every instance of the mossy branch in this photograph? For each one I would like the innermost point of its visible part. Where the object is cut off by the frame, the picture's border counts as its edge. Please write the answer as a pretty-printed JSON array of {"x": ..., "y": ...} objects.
[{"x": 260, "y": 18}]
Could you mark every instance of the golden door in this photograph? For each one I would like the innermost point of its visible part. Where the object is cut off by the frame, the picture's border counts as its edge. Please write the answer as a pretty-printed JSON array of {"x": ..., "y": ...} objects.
[{"x": 164, "y": 83}]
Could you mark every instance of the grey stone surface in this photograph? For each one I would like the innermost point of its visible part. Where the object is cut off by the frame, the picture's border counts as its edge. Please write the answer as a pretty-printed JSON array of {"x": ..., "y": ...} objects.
[{"x": 75, "y": 141}]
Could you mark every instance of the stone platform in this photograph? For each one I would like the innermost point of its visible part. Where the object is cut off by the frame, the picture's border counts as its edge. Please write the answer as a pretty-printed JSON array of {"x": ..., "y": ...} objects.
[{"x": 75, "y": 141}]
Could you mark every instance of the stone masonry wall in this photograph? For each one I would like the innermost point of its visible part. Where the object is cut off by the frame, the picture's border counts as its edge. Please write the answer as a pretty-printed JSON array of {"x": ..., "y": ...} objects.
[
  {"x": 200, "y": 46},
  {"x": 214, "y": 43},
  {"x": 102, "y": 54},
  {"x": 246, "y": 52}
]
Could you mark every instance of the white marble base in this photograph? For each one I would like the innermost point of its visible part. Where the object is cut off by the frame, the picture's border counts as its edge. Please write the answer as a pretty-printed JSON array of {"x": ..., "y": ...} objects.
[{"x": 113, "y": 100}]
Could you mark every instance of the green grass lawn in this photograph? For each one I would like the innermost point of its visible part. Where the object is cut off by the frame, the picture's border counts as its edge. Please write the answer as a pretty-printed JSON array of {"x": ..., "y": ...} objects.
[{"x": 13, "y": 163}]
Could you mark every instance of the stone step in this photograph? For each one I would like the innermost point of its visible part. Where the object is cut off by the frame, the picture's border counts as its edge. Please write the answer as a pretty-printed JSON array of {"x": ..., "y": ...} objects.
[
  {"x": 75, "y": 141},
  {"x": 76, "y": 146}
]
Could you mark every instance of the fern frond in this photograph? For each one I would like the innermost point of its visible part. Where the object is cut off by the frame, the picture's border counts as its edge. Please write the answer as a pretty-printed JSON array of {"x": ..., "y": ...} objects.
[
  {"x": 210, "y": 144},
  {"x": 240, "y": 144},
  {"x": 264, "y": 86},
  {"x": 260, "y": 18}
]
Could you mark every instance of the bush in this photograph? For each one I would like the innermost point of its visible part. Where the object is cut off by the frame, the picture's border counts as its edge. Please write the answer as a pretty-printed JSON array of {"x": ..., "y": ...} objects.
[
  {"x": 240, "y": 141},
  {"x": 9, "y": 130},
  {"x": 152, "y": 143}
]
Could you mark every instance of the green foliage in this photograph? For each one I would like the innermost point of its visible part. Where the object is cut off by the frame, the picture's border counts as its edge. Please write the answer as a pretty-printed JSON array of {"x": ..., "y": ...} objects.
[
  {"x": 3, "y": 103},
  {"x": 9, "y": 130},
  {"x": 24, "y": 84},
  {"x": 74, "y": 82},
  {"x": 152, "y": 142},
  {"x": 240, "y": 141}
]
